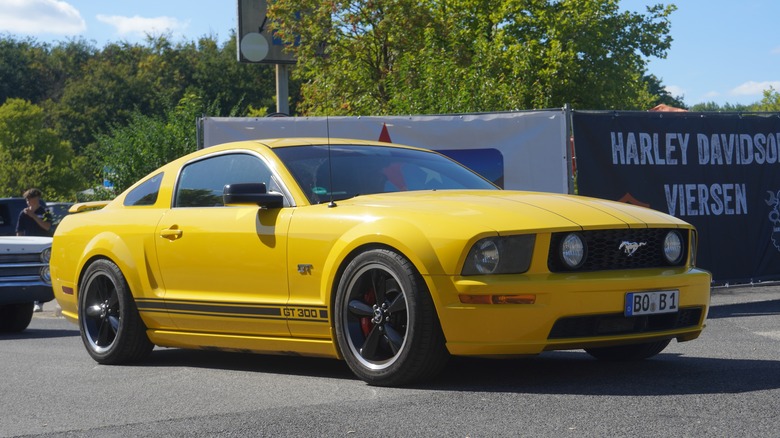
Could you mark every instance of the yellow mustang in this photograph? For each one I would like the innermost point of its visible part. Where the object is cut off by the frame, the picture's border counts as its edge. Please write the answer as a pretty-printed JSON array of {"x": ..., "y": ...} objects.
[{"x": 390, "y": 257}]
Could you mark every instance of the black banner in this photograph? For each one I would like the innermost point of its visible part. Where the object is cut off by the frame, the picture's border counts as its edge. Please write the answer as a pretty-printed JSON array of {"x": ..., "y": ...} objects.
[{"x": 720, "y": 172}]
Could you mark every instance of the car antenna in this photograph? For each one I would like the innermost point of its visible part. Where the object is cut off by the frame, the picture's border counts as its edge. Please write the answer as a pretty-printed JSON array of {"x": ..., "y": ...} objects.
[{"x": 331, "y": 203}]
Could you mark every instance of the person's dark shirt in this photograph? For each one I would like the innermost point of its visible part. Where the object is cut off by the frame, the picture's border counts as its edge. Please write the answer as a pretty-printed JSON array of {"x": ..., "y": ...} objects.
[{"x": 29, "y": 227}]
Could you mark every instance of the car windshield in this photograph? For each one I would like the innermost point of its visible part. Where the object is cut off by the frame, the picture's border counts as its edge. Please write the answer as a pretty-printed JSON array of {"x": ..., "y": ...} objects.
[{"x": 336, "y": 172}]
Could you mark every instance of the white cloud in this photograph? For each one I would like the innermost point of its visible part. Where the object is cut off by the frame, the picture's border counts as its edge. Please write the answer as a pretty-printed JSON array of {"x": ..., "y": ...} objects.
[
  {"x": 775, "y": 51},
  {"x": 141, "y": 26},
  {"x": 34, "y": 17},
  {"x": 753, "y": 88},
  {"x": 674, "y": 90}
]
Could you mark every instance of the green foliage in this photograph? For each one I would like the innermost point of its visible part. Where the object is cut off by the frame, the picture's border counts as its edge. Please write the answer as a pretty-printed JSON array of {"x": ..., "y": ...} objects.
[
  {"x": 404, "y": 56},
  {"x": 770, "y": 102},
  {"x": 656, "y": 89},
  {"x": 714, "y": 107},
  {"x": 33, "y": 155}
]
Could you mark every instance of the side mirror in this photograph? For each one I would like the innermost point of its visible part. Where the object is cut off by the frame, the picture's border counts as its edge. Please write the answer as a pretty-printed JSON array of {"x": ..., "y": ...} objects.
[{"x": 251, "y": 194}]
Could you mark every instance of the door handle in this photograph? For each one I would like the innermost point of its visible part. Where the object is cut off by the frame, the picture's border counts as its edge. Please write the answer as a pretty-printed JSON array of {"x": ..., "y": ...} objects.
[{"x": 171, "y": 233}]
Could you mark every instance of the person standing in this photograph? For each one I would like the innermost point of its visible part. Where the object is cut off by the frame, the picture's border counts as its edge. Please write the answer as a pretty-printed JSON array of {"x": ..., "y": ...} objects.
[{"x": 34, "y": 220}]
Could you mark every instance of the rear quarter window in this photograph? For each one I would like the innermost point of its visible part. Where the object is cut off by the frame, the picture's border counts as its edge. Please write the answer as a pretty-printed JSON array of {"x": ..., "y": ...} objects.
[{"x": 146, "y": 193}]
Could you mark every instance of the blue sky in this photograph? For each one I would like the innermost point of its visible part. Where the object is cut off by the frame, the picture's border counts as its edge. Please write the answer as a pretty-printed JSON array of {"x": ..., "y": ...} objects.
[{"x": 723, "y": 51}]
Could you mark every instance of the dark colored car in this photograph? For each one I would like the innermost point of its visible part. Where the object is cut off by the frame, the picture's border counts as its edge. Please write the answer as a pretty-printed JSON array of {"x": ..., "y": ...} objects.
[
  {"x": 11, "y": 207},
  {"x": 9, "y": 214},
  {"x": 58, "y": 211}
]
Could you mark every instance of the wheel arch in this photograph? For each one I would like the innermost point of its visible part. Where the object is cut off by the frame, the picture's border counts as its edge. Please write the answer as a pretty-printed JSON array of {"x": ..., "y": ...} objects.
[
  {"x": 402, "y": 237},
  {"x": 111, "y": 247}
]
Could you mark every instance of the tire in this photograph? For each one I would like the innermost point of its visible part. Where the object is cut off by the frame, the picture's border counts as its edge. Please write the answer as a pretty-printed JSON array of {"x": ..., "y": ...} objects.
[
  {"x": 15, "y": 317},
  {"x": 386, "y": 325},
  {"x": 110, "y": 325},
  {"x": 629, "y": 352}
]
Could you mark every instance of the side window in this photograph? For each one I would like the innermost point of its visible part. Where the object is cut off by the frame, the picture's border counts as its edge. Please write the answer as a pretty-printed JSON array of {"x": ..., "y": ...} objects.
[
  {"x": 146, "y": 193},
  {"x": 201, "y": 183}
]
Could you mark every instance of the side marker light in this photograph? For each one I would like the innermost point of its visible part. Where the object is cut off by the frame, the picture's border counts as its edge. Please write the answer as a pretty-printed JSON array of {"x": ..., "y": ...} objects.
[{"x": 497, "y": 299}]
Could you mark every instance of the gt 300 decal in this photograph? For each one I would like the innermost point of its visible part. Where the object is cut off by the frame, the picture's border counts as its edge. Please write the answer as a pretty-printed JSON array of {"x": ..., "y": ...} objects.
[{"x": 308, "y": 313}]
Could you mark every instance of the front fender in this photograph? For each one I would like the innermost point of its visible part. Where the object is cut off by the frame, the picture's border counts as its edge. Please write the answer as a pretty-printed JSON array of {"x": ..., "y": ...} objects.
[{"x": 431, "y": 256}]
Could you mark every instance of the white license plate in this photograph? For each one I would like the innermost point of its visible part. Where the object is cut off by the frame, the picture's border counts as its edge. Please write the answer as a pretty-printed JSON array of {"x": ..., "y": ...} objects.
[{"x": 650, "y": 303}]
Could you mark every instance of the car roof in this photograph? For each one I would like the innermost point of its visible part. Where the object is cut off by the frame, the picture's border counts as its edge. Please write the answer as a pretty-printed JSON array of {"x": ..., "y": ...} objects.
[{"x": 274, "y": 143}]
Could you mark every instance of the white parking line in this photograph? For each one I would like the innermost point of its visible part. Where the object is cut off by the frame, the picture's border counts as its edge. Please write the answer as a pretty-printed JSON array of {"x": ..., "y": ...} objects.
[{"x": 773, "y": 335}]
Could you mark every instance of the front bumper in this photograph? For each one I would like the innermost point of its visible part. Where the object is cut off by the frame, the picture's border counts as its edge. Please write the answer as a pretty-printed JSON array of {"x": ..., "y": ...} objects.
[
  {"x": 587, "y": 307},
  {"x": 25, "y": 291}
]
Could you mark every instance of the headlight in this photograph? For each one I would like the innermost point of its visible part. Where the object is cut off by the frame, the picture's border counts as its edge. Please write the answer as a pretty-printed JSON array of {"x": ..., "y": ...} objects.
[
  {"x": 573, "y": 251},
  {"x": 673, "y": 247},
  {"x": 46, "y": 255},
  {"x": 500, "y": 255},
  {"x": 46, "y": 275}
]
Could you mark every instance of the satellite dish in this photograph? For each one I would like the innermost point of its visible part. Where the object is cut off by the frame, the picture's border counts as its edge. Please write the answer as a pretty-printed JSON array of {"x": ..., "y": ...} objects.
[{"x": 254, "y": 47}]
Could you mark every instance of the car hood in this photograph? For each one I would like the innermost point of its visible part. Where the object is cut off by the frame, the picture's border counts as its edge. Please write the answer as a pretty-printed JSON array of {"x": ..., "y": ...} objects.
[
  {"x": 23, "y": 244},
  {"x": 506, "y": 210}
]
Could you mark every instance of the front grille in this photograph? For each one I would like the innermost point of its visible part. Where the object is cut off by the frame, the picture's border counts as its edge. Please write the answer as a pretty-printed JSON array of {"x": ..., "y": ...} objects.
[
  {"x": 20, "y": 258},
  {"x": 15, "y": 267},
  {"x": 604, "y": 252},
  {"x": 618, "y": 324},
  {"x": 16, "y": 272}
]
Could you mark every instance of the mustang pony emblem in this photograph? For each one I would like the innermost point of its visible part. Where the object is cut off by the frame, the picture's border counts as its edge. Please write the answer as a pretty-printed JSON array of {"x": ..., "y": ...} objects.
[{"x": 630, "y": 247}]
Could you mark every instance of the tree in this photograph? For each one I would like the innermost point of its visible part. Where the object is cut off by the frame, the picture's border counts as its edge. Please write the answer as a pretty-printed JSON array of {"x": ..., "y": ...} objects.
[
  {"x": 402, "y": 56},
  {"x": 22, "y": 73},
  {"x": 770, "y": 102},
  {"x": 33, "y": 155},
  {"x": 656, "y": 88},
  {"x": 726, "y": 107},
  {"x": 109, "y": 89}
]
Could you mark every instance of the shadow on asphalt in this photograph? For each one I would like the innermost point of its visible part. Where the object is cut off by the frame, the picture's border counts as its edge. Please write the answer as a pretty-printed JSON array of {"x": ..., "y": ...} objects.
[
  {"x": 567, "y": 372},
  {"x": 756, "y": 308},
  {"x": 577, "y": 373},
  {"x": 269, "y": 364},
  {"x": 37, "y": 333}
]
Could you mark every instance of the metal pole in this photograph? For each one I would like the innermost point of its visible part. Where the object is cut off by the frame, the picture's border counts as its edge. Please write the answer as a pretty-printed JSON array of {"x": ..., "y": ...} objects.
[{"x": 282, "y": 89}]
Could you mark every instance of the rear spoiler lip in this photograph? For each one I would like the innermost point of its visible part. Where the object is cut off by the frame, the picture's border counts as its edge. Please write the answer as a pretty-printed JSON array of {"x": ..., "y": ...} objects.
[{"x": 85, "y": 206}]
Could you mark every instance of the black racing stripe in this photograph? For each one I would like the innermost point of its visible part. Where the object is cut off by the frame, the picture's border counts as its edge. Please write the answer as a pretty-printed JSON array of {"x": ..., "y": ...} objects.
[
  {"x": 233, "y": 315},
  {"x": 228, "y": 309},
  {"x": 234, "y": 309},
  {"x": 151, "y": 305},
  {"x": 229, "y": 315}
]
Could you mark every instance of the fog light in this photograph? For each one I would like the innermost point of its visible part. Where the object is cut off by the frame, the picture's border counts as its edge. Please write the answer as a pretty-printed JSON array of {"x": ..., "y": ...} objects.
[
  {"x": 673, "y": 247},
  {"x": 573, "y": 251}
]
